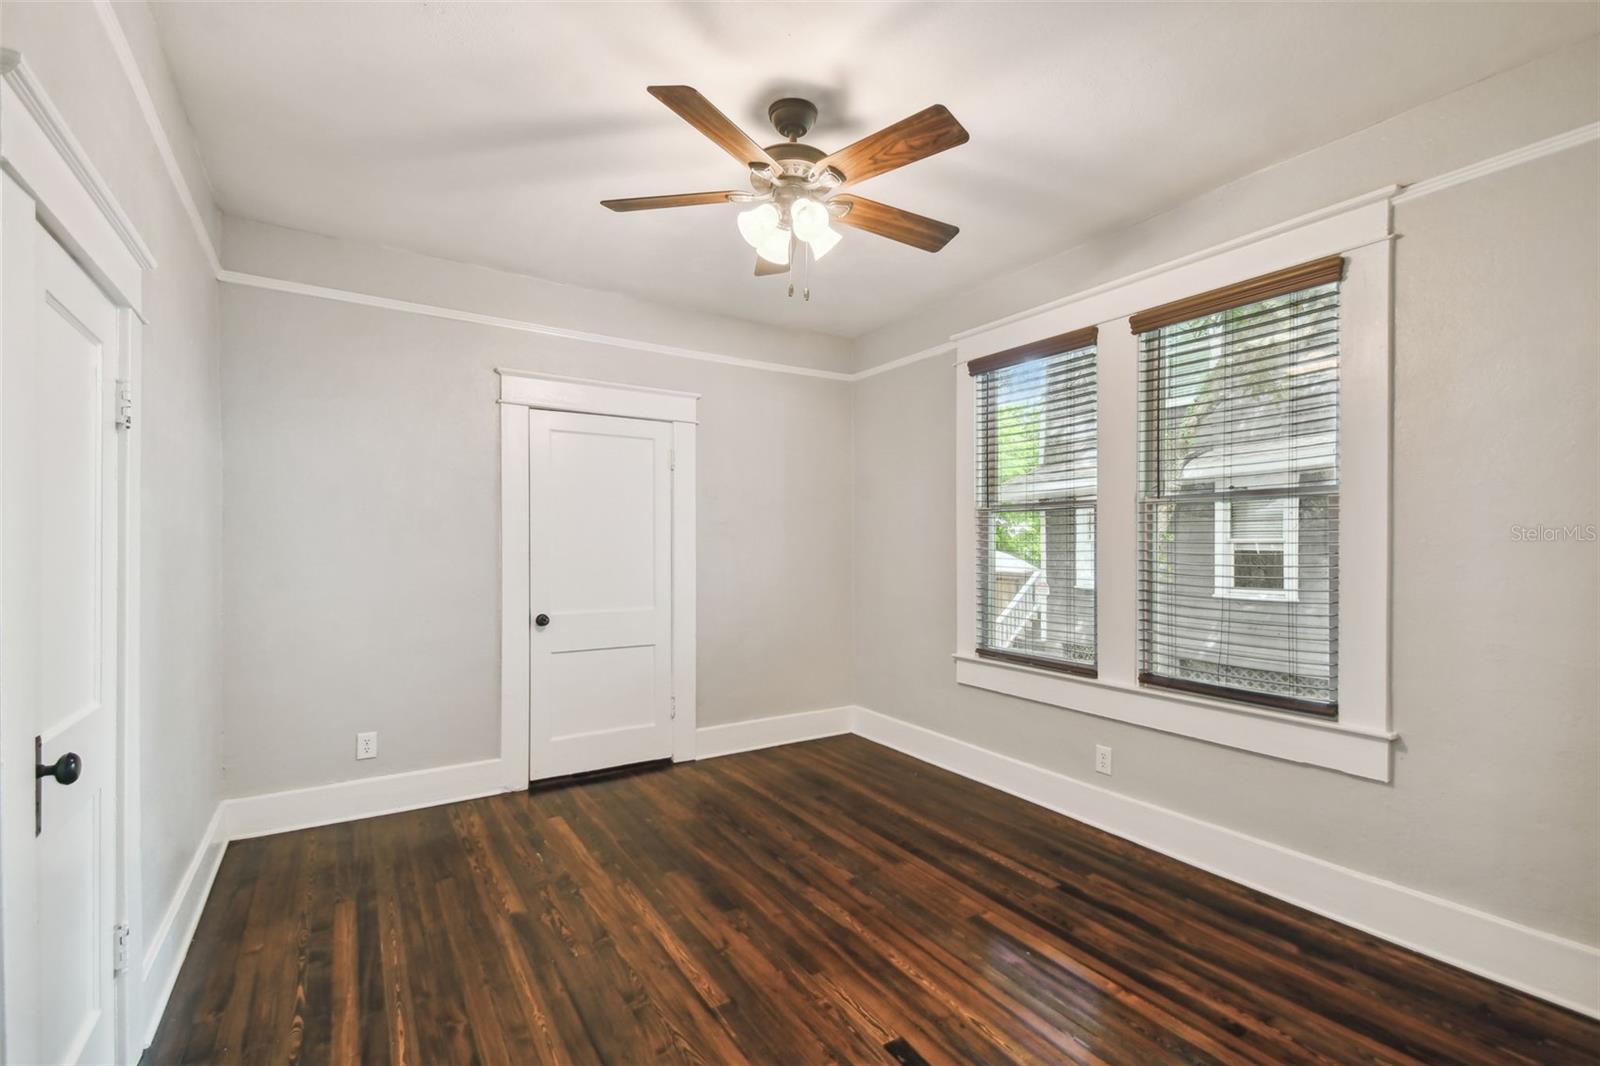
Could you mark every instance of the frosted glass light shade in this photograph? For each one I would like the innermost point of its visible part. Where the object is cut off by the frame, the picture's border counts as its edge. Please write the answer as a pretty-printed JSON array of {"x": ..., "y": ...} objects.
[
  {"x": 774, "y": 247},
  {"x": 757, "y": 224},
  {"x": 823, "y": 242},
  {"x": 810, "y": 218}
]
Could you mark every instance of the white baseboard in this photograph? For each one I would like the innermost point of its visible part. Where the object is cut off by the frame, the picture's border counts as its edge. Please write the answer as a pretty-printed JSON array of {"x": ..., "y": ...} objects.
[
  {"x": 281, "y": 812},
  {"x": 1550, "y": 967},
  {"x": 1562, "y": 971},
  {"x": 367, "y": 797},
  {"x": 734, "y": 737},
  {"x": 167, "y": 945}
]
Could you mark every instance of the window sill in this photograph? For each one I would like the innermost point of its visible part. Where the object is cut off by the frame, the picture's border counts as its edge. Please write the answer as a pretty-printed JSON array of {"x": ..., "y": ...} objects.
[
  {"x": 1280, "y": 734},
  {"x": 1255, "y": 595}
]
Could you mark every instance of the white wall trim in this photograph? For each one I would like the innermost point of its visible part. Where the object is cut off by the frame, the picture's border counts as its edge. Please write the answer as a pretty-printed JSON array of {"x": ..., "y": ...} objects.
[
  {"x": 1504, "y": 161},
  {"x": 180, "y": 184},
  {"x": 1395, "y": 194},
  {"x": 1350, "y": 749},
  {"x": 1131, "y": 281},
  {"x": 948, "y": 348},
  {"x": 520, "y": 325},
  {"x": 734, "y": 737},
  {"x": 158, "y": 132},
  {"x": 365, "y": 797},
  {"x": 1554, "y": 968},
  {"x": 168, "y": 943},
  {"x": 141, "y": 91}
]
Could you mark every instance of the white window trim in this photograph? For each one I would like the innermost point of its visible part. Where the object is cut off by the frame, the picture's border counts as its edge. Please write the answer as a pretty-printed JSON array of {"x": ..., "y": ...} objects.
[
  {"x": 1222, "y": 569},
  {"x": 1359, "y": 742}
]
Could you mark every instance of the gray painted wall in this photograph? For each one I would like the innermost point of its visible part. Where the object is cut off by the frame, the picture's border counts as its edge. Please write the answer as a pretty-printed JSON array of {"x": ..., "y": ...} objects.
[
  {"x": 179, "y": 415},
  {"x": 1495, "y": 801},
  {"x": 361, "y": 553}
]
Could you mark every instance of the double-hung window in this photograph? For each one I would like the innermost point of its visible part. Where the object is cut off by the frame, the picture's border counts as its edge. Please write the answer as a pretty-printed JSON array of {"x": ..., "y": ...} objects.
[
  {"x": 1239, "y": 491},
  {"x": 1191, "y": 503},
  {"x": 1036, "y": 467}
]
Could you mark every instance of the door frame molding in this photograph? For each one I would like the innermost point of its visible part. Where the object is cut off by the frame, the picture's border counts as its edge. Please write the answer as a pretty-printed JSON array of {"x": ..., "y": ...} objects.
[
  {"x": 521, "y": 390},
  {"x": 76, "y": 206}
]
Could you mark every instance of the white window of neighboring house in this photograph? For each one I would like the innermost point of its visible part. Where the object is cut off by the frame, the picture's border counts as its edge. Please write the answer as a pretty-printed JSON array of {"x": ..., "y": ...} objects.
[{"x": 1257, "y": 549}]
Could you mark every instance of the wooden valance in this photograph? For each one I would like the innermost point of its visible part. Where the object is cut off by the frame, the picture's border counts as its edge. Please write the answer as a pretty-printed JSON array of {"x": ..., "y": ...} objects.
[
  {"x": 1305, "y": 276},
  {"x": 1026, "y": 353}
]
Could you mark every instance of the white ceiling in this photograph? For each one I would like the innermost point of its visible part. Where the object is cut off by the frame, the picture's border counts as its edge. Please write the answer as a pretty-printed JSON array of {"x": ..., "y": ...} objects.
[{"x": 489, "y": 132}]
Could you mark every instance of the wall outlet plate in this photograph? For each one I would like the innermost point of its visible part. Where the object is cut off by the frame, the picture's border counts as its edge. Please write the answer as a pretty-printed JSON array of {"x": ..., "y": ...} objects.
[
  {"x": 366, "y": 745},
  {"x": 1102, "y": 759}
]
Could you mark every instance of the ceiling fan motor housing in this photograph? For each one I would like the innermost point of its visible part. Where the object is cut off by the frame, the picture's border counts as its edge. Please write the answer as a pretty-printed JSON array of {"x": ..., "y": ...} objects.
[{"x": 792, "y": 117}]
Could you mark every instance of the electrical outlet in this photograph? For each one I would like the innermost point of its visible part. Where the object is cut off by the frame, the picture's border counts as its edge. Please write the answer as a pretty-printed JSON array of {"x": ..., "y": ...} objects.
[
  {"x": 367, "y": 746},
  {"x": 1102, "y": 759}
]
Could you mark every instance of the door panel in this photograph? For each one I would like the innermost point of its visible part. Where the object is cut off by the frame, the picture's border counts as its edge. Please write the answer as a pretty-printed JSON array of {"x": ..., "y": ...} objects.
[
  {"x": 58, "y": 642},
  {"x": 600, "y": 567}
]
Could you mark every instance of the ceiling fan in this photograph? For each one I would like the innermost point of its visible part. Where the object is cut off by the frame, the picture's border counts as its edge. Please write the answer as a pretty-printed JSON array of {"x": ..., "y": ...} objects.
[{"x": 794, "y": 188}]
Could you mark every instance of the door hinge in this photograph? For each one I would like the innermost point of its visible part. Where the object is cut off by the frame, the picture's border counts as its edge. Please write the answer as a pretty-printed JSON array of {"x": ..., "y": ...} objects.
[
  {"x": 674, "y": 708},
  {"x": 672, "y": 459},
  {"x": 119, "y": 948},
  {"x": 124, "y": 404}
]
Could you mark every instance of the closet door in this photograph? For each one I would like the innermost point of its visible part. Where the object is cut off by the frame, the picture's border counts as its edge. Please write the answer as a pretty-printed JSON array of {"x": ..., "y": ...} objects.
[{"x": 600, "y": 583}]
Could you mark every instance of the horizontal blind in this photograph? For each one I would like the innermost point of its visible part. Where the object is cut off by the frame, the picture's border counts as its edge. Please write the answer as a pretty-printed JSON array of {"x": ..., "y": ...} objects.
[
  {"x": 1037, "y": 455},
  {"x": 1239, "y": 495}
]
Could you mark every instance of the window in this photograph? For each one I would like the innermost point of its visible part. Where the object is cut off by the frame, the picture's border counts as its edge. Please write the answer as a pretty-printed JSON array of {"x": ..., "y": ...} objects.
[
  {"x": 1237, "y": 555},
  {"x": 1036, "y": 467},
  {"x": 1258, "y": 549},
  {"x": 1239, "y": 490}
]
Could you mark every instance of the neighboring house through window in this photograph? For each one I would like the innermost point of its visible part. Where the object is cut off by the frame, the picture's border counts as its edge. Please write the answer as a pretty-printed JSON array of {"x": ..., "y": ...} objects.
[
  {"x": 1239, "y": 564},
  {"x": 1179, "y": 517}
]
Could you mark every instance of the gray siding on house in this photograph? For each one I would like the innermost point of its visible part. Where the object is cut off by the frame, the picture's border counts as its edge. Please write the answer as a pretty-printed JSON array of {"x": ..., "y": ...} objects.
[{"x": 1286, "y": 645}]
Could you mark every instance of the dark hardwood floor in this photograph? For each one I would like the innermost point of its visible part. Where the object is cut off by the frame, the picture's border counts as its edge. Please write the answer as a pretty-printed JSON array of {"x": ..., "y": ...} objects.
[{"x": 830, "y": 901}]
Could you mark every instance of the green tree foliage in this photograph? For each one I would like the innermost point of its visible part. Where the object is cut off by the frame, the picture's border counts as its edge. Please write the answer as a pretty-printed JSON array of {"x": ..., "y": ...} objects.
[{"x": 1017, "y": 434}]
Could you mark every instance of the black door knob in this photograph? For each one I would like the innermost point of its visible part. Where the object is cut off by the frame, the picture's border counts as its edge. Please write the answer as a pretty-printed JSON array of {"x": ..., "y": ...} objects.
[
  {"x": 65, "y": 769},
  {"x": 541, "y": 620}
]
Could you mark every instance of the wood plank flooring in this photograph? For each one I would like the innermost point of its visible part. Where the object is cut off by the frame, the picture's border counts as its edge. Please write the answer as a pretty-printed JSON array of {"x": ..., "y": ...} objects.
[{"x": 824, "y": 902}]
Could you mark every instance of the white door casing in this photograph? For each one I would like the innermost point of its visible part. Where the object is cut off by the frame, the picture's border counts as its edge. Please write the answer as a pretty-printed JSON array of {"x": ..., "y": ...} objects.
[
  {"x": 47, "y": 179},
  {"x": 525, "y": 396},
  {"x": 59, "y": 646},
  {"x": 600, "y": 586}
]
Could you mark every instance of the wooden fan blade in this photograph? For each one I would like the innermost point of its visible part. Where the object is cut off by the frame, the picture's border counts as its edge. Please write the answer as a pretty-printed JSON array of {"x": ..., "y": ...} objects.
[
  {"x": 764, "y": 268},
  {"x": 698, "y": 112},
  {"x": 926, "y": 133},
  {"x": 916, "y": 230},
  {"x": 682, "y": 199}
]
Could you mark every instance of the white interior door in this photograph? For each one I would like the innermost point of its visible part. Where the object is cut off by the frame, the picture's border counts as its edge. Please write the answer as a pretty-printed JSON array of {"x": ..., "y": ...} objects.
[
  {"x": 58, "y": 659},
  {"x": 600, "y": 581}
]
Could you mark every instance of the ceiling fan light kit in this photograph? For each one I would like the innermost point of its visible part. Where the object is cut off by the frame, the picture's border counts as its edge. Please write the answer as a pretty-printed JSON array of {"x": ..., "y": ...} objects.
[{"x": 795, "y": 187}]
